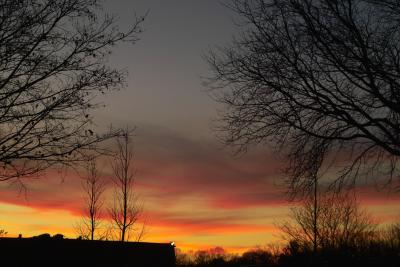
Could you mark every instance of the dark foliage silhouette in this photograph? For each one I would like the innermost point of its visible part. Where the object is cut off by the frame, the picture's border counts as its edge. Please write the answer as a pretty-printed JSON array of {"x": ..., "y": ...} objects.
[
  {"x": 254, "y": 257},
  {"x": 373, "y": 251},
  {"x": 312, "y": 73},
  {"x": 368, "y": 251},
  {"x": 53, "y": 63}
]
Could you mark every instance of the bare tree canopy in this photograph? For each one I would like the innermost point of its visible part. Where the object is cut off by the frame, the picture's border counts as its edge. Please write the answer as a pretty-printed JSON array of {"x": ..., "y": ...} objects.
[
  {"x": 315, "y": 76},
  {"x": 90, "y": 227},
  {"x": 53, "y": 62},
  {"x": 126, "y": 210},
  {"x": 3, "y": 232},
  {"x": 338, "y": 223}
]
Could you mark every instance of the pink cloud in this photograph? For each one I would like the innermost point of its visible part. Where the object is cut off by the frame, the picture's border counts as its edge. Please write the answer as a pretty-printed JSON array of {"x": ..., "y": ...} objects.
[
  {"x": 171, "y": 168},
  {"x": 179, "y": 224}
]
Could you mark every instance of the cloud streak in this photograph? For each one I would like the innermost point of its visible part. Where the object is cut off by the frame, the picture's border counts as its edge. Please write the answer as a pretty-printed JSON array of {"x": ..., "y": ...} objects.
[{"x": 189, "y": 187}]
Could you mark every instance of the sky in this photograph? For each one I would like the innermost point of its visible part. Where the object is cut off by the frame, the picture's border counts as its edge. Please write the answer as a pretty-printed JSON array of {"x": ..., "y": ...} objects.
[{"x": 194, "y": 191}]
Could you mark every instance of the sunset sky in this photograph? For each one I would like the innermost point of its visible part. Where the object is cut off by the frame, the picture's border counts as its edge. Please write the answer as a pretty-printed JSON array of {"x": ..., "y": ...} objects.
[{"x": 195, "y": 191}]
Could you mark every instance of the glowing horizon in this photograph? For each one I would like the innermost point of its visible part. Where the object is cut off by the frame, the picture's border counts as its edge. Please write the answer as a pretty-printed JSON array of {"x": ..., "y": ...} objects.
[
  {"x": 195, "y": 191},
  {"x": 191, "y": 201}
]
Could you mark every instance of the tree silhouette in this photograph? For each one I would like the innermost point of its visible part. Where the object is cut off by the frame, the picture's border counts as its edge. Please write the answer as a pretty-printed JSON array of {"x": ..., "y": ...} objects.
[
  {"x": 337, "y": 223},
  {"x": 3, "y": 232},
  {"x": 125, "y": 210},
  {"x": 53, "y": 63},
  {"x": 314, "y": 71},
  {"x": 391, "y": 237},
  {"x": 93, "y": 187}
]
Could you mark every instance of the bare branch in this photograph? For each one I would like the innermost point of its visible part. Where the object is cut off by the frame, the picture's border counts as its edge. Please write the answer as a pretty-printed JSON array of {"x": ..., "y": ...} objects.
[
  {"x": 305, "y": 74},
  {"x": 126, "y": 209},
  {"x": 53, "y": 64},
  {"x": 94, "y": 187}
]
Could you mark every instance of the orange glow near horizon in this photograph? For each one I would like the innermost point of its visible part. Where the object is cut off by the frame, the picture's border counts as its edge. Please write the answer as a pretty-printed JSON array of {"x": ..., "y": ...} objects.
[
  {"x": 199, "y": 200},
  {"x": 194, "y": 191},
  {"x": 193, "y": 223},
  {"x": 234, "y": 239}
]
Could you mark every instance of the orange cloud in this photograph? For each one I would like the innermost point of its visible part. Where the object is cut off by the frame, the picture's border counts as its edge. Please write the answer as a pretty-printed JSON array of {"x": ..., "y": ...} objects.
[{"x": 192, "y": 191}]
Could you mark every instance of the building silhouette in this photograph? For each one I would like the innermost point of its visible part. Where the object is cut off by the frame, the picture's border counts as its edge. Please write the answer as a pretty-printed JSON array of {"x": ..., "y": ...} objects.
[{"x": 46, "y": 251}]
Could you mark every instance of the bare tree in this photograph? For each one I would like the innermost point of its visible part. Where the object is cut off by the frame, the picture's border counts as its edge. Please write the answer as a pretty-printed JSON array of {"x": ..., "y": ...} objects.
[
  {"x": 391, "y": 236},
  {"x": 314, "y": 71},
  {"x": 126, "y": 210},
  {"x": 3, "y": 232},
  {"x": 306, "y": 186},
  {"x": 53, "y": 63},
  {"x": 93, "y": 187},
  {"x": 339, "y": 221}
]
